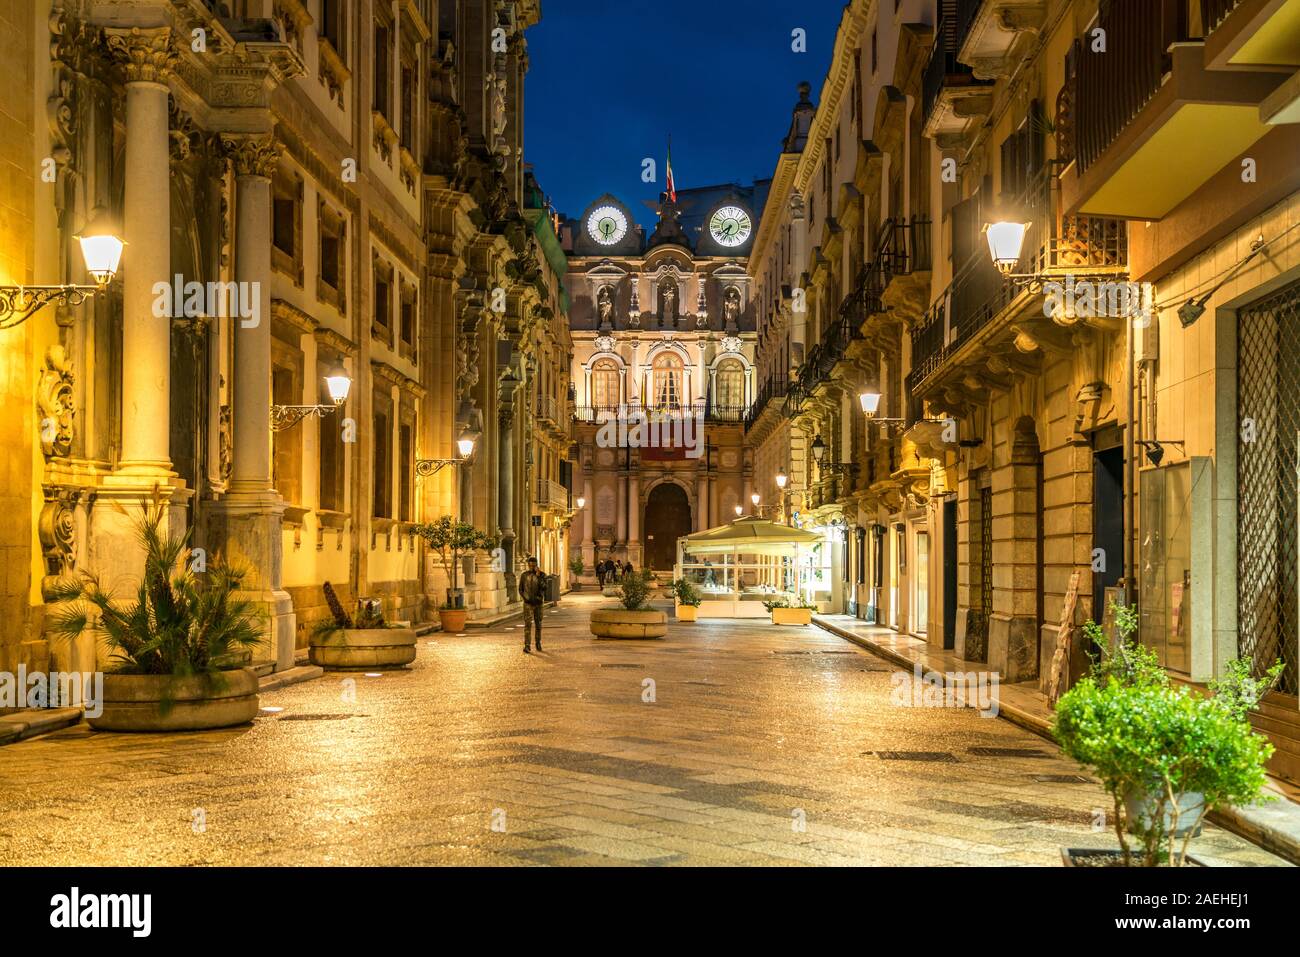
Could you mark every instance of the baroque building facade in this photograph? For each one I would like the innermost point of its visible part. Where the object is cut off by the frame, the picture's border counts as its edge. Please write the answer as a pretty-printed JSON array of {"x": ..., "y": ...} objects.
[
  {"x": 1103, "y": 415},
  {"x": 351, "y": 173},
  {"x": 663, "y": 370}
]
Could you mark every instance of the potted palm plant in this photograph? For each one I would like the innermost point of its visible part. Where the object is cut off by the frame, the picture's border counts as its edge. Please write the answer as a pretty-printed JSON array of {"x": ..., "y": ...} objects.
[
  {"x": 688, "y": 599},
  {"x": 1166, "y": 755},
  {"x": 368, "y": 642},
  {"x": 451, "y": 541},
  {"x": 633, "y": 619},
  {"x": 179, "y": 645}
]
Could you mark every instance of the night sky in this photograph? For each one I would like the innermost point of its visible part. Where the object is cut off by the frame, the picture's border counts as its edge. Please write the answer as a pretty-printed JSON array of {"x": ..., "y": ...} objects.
[{"x": 608, "y": 80}]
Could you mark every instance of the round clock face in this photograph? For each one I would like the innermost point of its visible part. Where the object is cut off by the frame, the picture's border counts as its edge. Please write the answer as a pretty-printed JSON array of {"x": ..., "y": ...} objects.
[
  {"x": 607, "y": 225},
  {"x": 730, "y": 226}
]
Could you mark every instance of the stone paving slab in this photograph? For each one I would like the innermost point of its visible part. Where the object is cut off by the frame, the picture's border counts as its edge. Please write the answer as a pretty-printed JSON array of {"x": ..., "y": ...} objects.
[{"x": 480, "y": 756}]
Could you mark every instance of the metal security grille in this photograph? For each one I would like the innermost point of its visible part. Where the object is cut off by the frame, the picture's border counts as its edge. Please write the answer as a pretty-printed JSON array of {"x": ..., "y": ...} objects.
[
  {"x": 985, "y": 584},
  {"x": 1268, "y": 397}
]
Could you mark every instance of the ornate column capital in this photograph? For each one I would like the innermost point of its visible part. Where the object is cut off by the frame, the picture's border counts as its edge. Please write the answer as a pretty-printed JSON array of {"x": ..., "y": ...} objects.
[
  {"x": 252, "y": 155},
  {"x": 146, "y": 56}
]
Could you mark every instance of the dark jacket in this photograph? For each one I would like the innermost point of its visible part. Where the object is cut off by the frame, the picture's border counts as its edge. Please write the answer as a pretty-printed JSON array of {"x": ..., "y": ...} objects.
[{"x": 532, "y": 588}]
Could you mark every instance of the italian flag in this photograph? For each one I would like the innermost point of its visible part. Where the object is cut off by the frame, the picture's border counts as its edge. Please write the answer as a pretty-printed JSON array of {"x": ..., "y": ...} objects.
[{"x": 672, "y": 188}]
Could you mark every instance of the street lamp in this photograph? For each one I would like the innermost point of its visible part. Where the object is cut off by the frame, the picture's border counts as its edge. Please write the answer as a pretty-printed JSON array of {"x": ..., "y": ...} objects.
[
  {"x": 337, "y": 383},
  {"x": 464, "y": 445},
  {"x": 755, "y": 498},
  {"x": 782, "y": 479},
  {"x": 818, "y": 449},
  {"x": 1006, "y": 240},
  {"x": 582, "y": 502},
  {"x": 101, "y": 250},
  {"x": 740, "y": 510},
  {"x": 870, "y": 403}
]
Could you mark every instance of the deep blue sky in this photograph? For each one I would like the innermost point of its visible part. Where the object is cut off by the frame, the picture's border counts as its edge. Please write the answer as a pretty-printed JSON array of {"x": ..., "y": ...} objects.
[{"x": 608, "y": 80}]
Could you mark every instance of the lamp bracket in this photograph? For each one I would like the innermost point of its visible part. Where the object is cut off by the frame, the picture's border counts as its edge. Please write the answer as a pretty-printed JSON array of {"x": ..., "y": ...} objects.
[
  {"x": 427, "y": 467},
  {"x": 287, "y": 416},
  {"x": 20, "y": 303}
]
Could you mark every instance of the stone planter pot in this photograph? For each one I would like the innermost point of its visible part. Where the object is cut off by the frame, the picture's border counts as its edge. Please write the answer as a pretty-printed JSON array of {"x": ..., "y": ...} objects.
[
  {"x": 792, "y": 616},
  {"x": 621, "y": 623},
  {"x": 687, "y": 612},
  {"x": 197, "y": 703},
  {"x": 363, "y": 648},
  {"x": 1141, "y": 807},
  {"x": 1106, "y": 857},
  {"x": 453, "y": 619}
]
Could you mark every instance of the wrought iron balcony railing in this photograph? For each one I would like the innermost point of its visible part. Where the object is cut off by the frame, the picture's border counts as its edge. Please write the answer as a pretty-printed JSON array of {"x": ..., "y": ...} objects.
[
  {"x": 709, "y": 411},
  {"x": 955, "y": 19},
  {"x": 1054, "y": 245},
  {"x": 774, "y": 388}
]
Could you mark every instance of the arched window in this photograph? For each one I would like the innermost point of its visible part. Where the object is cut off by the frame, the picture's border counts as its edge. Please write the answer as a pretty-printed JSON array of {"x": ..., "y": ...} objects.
[
  {"x": 729, "y": 386},
  {"x": 666, "y": 382},
  {"x": 604, "y": 384}
]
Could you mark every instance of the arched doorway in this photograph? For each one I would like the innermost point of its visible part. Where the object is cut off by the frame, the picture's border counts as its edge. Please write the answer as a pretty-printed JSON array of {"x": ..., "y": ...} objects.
[{"x": 667, "y": 518}]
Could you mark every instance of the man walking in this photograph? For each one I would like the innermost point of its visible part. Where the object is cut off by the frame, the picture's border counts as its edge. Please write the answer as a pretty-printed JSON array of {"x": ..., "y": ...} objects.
[
  {"x": 532, "y": 589},
  {"x": 600, "y": 573}
]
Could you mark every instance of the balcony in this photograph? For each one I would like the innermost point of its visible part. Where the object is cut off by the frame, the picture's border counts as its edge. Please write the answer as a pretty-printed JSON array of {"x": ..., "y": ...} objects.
[
  {"x": 1251, "y": 34},
  {"x": 868, "y": 313},
  {"x": 771, "y": 390},
  {"x": 712, "y": 413},
  {"x": 986, "y": 324},
  {"x": 997, "y": 34},
  {"x": 552, "y": 496},
  {"x": 1150, "y": 97},
  {"x": 954, "y": 102}
]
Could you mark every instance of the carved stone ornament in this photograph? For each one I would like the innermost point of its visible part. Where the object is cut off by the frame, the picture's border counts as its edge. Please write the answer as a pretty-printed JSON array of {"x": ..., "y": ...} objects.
[
  {"x": 731, "y": 344},
  {"x": 252, "y": 155},
  {"x": 146, "y": 56},
  {"x": 55, "y": 404},
  {"x": 604, "y": 343},
  {"x": 57, "y": 529}
]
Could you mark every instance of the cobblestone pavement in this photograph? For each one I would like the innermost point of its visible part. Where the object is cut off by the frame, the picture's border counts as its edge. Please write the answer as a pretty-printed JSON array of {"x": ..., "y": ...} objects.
[{"x": 762, "y": 745}]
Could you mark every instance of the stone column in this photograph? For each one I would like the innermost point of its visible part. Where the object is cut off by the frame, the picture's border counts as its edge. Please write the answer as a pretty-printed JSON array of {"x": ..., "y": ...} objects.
[
  {"x": 620, "y": 485},
  {"x": 248, "y": 519},
  {"x": 506, "y": 488},
  {"x": 146, "y": 338},
  {"x": 634, "y": 551},
  {"x": 702, "y": 501},
  {"x": 588, "y": 523}
]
